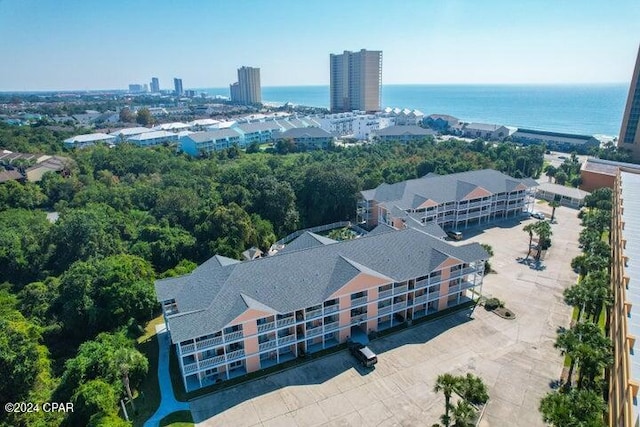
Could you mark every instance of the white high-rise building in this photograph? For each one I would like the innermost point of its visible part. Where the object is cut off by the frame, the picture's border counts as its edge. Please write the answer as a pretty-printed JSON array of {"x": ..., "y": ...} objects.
[{"x": 356, "y": 80}]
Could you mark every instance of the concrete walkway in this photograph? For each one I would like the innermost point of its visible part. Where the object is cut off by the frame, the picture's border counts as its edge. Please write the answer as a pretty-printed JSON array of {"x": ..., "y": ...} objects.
[{"x": 168, "y": 402}]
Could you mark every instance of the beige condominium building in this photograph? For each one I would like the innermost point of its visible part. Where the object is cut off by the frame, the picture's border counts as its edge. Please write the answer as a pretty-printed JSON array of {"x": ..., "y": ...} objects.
[
  {"x": 247, "y": 89},
  {"x": 625, "y": 315},
  {"x": 630, "y": 131},
  {"x": 356, "y": 79},
  {"x": 228, "y": 318}
]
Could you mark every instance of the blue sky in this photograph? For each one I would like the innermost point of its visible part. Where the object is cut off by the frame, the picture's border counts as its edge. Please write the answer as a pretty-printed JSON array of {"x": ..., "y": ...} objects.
[{"x": 107, "y": 44}]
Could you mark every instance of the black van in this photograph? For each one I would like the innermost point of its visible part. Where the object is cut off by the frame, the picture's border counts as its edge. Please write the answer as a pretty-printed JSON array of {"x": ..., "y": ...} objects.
[{"x": 364, "y": 354}]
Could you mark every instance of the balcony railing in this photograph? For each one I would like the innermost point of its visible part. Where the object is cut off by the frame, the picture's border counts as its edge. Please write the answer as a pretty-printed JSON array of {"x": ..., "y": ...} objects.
[
  {"x": 217, "y": 360},
  {"x": 331, "y": 308},
  {"x": 359, "y": 318},
  {"x": 384, "y": 310},
  {"x": 313, "y": 314},
  {"x": 286, "y": 339},
  {"x": 331, "y": 326},
  {"x": 209, "y": 342},
  {"x": 267, "y": 345},
  {"x": 233, "y": 336},
  {"x": 422, "y": 283},
  {"x": 433, "y": 295},
  {"x": 314, "y": 331},
  {"x": 400, "y": 289},
  {"x": 191, "y": 367},
  {"x": 286, "y": 321},
  {"x": 358, "y": 301},
  {"x": 420, "y": 299},
  {"x": 385, "y": 294},
  {"x": 235, "y": 355},
  {"x": 399, "y": 304},
  {"x": 188, "y": 348},
  {"x": 266, "y": 327}
]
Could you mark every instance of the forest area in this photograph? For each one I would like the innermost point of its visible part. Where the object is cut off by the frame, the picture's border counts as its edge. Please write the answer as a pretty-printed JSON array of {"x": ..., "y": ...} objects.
[{"x": 75, "y": 292}]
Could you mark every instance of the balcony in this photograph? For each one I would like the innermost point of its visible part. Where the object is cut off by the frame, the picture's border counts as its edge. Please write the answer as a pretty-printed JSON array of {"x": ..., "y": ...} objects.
[
  {"x": 217, "y": 360},
  {"x": 314, "y": 331},
  {"x": 331, "y": 309},
  {"x": 267, "y": 345},
  {"x": 209, "y": 342},
  {"x": 332, "y": 326},
  {"x": 358, "y": 301},
  {"x": 422, "y": 283},
  {"x": 384, "y": 310},
  {"x": 399, "y": 304},
  {"x": 266, "y": 327},
  {"x": 187, "y": 348},
  {"x": 433, "y": 295},
  {"x": 385, "y": 294},
  {"x": 420, "y": 299},
  {"x": 313, "y": 314},
  {"x": 359, "y": 318},
  {"x": 400, "y": 290},
  {"x": 286, "y": 321},
  {"x": 286, "y": 339},
  {"x": 235, "y": 355},
  {"x": 233, "y": 336},
  {"x": 191, "y": 367}
]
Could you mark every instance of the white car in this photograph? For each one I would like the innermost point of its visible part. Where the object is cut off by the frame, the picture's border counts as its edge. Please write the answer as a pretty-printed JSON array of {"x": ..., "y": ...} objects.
[{"x": 537, "y": 215}]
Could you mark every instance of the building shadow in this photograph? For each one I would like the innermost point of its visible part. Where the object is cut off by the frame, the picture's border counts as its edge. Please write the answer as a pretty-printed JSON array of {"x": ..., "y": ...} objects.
[{"x": 320, "y": 370}]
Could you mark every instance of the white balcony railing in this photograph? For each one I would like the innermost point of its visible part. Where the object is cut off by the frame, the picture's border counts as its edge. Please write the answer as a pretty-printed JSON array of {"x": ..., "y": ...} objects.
[
  {"x": 235, "y": 355},
  {"x": 313, "y": 314},
  {"x": 358, "y": 319},
  {"x": 358, "y": 301},
  {"x": 191, "y": 367},
  {"x": 332, "y": 326},
  {"x": 422, "y": 283},
  {"x": 267, "y": 345},
  {"x": 399, "y": 304},
  {"x": 433, "y": 295},
  {"x": 286, "y": 339},
  {"x": 420, "y": 299},
  {"x": 187, "y": 348},
  {"x": 206, "y": 363},
  {"x": 384, "y": 310},
  {"x": 400, "y": 289},
  {"x": 331, "y": 309},
  {"x": 209, "y": 342},
  {"x": 286, "y": 321},
  {"x": 385, "y": 294},
  {"x": 314, "y": 331},
  {"x": 266, "y": 327},
  {"x": 233, "y": 336}
]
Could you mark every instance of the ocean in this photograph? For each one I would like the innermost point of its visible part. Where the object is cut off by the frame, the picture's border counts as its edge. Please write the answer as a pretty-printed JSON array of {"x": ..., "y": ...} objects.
[{"x": 583, "y": 109}]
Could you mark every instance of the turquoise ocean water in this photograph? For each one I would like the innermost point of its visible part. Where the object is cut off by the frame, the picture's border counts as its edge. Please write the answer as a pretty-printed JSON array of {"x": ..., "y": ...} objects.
[{"x": 585, "y": 109}]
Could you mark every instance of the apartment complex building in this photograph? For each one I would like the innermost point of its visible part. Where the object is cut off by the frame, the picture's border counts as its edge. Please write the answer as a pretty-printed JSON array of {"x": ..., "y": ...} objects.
[
  {"x": 228, "y": 318},
  {"x": 355, "y": 81},
  {"x": 630, "y": 130},
  {"x": 624, "y": 381},
  {"x": 450, "y": 201}
]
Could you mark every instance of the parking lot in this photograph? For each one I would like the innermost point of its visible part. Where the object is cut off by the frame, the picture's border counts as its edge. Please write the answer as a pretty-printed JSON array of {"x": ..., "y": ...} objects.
[{"x": 515, "y": 358}]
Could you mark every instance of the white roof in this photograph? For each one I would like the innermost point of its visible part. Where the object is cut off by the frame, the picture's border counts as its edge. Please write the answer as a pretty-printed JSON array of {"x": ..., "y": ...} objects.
[
  {"x": 203, "y": 122},
  {"x": 561, "y": 190},
  {"x": 130, "y": 131},
  {"x": 152, "y": 135},
  {"x": 89, "y": 137},
  {"x": 171, "y": 126}
]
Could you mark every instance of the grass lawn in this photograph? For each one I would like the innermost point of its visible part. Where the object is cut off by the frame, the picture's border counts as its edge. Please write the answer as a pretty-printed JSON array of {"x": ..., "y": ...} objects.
[
  {"x": 177, "y": 419},
  {"x": 147, "y": 398}
]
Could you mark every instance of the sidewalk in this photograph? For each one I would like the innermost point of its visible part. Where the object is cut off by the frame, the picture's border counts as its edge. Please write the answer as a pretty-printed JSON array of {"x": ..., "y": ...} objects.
[{"x": 168, "y": 402}]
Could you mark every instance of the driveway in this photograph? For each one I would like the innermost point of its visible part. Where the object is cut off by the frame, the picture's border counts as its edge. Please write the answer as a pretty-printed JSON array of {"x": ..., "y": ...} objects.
[{"x": 515, "y": 358}]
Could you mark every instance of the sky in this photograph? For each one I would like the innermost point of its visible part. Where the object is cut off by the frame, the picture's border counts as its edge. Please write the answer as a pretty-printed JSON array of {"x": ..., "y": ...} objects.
[{"x": 108, "y": 44}]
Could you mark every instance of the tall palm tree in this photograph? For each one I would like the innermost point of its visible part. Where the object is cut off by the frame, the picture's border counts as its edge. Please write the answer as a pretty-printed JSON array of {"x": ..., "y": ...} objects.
[
  {"x": 462, "y": 413},
  {"x": 567, "y": 341},
  {"x": 472, "y": 389},
  {"x": 543, "y": 230},
  {"x": 124, "y": 361},
  {"x": 529, "y": 228},
  {"x": 554, "y": 204},
  {"x": 446, "y": 383}
]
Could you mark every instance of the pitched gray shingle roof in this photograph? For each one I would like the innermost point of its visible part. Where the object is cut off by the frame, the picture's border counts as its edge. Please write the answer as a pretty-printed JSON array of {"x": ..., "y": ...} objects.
[
  {"x": 443, "y": 188},
  {"x": 411, "y": 130},
  {"x": 213, "y": 135},
  {"x": 306, "y": 133},
  {"x": 215, "y": 294}
]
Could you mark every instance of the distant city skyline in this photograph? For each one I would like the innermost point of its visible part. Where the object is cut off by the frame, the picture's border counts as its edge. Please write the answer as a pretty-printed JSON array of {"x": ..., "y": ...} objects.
[{"x": 424, "y": 42}]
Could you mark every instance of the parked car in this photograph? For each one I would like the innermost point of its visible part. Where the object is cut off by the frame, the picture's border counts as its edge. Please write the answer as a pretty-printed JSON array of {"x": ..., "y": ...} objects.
[
  {"x": 454, "y": 235},
  {"x": 537, "y": 215},
  {"x": 365, "y": 356}
]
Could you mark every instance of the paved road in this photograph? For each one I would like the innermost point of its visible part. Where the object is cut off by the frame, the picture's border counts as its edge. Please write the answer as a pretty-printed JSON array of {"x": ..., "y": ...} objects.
[
  {"x": 168, "y": 402},
  {"x": 515, "y": 358}
]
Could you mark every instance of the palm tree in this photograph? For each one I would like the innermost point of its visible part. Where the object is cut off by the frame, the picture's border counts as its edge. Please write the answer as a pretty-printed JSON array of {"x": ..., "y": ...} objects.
[
  {"x": 554, "y": 204},
  {"x": 543, "y": 230},
  {"x": 529, "y": 228},
  {"x": 124, "y": 361},
  {"x": 597, "y": 285},
  {"x": 550, "y": 171},
  {"x": 463, "y": 413},
  {"x": 575, "y": 408},
  {"x": 446, "y": 383},
  {"x": 473, "y": 390},
  {"x": 567, "y": 341},
  {"x": 577, "y": 296}
]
